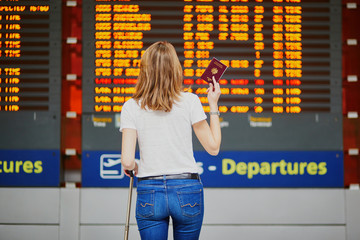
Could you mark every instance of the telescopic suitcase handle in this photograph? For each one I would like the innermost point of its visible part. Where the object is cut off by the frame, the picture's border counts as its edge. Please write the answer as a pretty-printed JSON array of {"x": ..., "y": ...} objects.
[{"x": 126, "y": 234}]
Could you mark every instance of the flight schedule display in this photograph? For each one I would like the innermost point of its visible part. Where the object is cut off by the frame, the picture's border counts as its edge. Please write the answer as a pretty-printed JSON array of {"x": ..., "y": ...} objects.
[
  {"x": 30, "y": 90},
  {"x": 25, "y": 55},
  {"x": 282, "y": 88}
]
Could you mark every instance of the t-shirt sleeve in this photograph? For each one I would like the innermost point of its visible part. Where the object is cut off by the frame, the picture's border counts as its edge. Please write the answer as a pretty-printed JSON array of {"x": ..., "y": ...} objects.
[
  {"x": 197, "y": 111},
  {"x": 127, "y": 118}
]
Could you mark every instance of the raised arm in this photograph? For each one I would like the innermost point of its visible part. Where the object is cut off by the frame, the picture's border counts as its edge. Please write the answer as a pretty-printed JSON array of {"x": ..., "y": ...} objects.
[{"x": 210, "y": 136}]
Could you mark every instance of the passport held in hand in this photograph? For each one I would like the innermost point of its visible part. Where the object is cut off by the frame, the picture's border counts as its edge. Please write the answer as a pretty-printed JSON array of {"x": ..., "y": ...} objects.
[{"x": 216, "y": 69}]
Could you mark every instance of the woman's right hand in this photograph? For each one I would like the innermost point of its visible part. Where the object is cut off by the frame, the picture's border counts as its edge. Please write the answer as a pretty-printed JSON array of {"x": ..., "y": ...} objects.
[
  {"x": 213, "y": 96},
  {"x": 134, "y": 171}
]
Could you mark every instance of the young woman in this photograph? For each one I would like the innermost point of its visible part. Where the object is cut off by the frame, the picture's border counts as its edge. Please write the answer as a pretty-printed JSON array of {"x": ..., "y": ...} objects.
[{"x": 160, "y": 116}]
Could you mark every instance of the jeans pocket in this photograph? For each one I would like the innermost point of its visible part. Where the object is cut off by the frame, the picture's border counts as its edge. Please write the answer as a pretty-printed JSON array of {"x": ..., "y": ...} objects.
[
  {"x": 145, "y": 203},
  {"x": 191, "y": 202}
]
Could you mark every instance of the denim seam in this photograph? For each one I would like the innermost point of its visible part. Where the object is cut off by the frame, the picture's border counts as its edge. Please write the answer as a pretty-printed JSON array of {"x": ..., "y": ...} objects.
[
  {"x": 166, "y": 197},
  {"x": 190, "y": 205},
  {"x": 146, "y": 204}
]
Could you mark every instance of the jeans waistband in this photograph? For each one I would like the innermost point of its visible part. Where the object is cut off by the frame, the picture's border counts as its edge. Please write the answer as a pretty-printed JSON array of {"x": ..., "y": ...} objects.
[{"x": 172, "y": 176}]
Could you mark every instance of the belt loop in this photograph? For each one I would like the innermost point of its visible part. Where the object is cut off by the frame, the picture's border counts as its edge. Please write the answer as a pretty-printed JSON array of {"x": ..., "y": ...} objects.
[{"x": 164, "y": 178}]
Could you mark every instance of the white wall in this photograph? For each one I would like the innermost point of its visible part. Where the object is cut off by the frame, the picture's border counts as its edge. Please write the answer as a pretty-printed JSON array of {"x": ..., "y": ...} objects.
[{"x": 254, "y": 214}]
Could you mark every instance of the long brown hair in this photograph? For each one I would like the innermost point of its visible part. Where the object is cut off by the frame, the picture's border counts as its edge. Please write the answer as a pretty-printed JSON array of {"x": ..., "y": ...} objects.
[{"x": 160, "y": 79}]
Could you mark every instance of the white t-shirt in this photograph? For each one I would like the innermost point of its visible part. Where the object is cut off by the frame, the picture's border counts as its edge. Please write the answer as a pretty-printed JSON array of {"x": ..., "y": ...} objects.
[{"x": 165, "y": 138}]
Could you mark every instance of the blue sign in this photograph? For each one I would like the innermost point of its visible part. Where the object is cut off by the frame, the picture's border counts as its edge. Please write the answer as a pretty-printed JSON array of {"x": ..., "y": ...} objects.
[
  {"x": 272, "y": 169},
  {"x": 102, "y": 169},
  {"x": 234, "y": 169},
  {"x": 30, "y": 168}
]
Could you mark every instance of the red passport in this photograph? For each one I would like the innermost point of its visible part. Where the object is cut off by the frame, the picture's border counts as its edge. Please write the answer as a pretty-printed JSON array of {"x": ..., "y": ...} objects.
[{"x": 216, "y": 69}]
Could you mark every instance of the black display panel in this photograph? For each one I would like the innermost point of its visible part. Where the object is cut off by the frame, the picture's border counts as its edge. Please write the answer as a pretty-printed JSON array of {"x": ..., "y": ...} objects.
[
  {"x": 281, "y": 92},
  {"x": 30, "y": 74}
]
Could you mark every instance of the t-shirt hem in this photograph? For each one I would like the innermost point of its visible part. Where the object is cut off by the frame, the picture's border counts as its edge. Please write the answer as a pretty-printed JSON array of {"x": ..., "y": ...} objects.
[
  {"x": 126, "y": 127},
  {"x": 199, "y": 120}
]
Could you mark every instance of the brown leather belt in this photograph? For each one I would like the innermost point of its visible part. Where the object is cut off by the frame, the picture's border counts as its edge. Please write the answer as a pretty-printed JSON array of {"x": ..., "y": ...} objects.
[{"x": 172, "y": 176}]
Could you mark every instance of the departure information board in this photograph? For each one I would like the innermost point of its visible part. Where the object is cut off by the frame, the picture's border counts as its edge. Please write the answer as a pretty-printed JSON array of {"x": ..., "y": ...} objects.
[
  {"x": 30, "y": 91},
  {"x": 278, "y": 52},
  {"x": 284, "y": 56},
  {"x": 25, "y": 54},
  {"x": 281, "y": 91}
]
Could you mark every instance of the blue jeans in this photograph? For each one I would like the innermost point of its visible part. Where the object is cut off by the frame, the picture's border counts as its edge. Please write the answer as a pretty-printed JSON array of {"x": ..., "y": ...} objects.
[{"x": 180, "y": 199}]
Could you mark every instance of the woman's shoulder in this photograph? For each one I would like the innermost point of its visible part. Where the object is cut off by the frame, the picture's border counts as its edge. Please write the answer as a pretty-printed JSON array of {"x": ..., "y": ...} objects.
[
  {"x": 188, "y": 96},
  {"x": 131, "y": 103}
]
